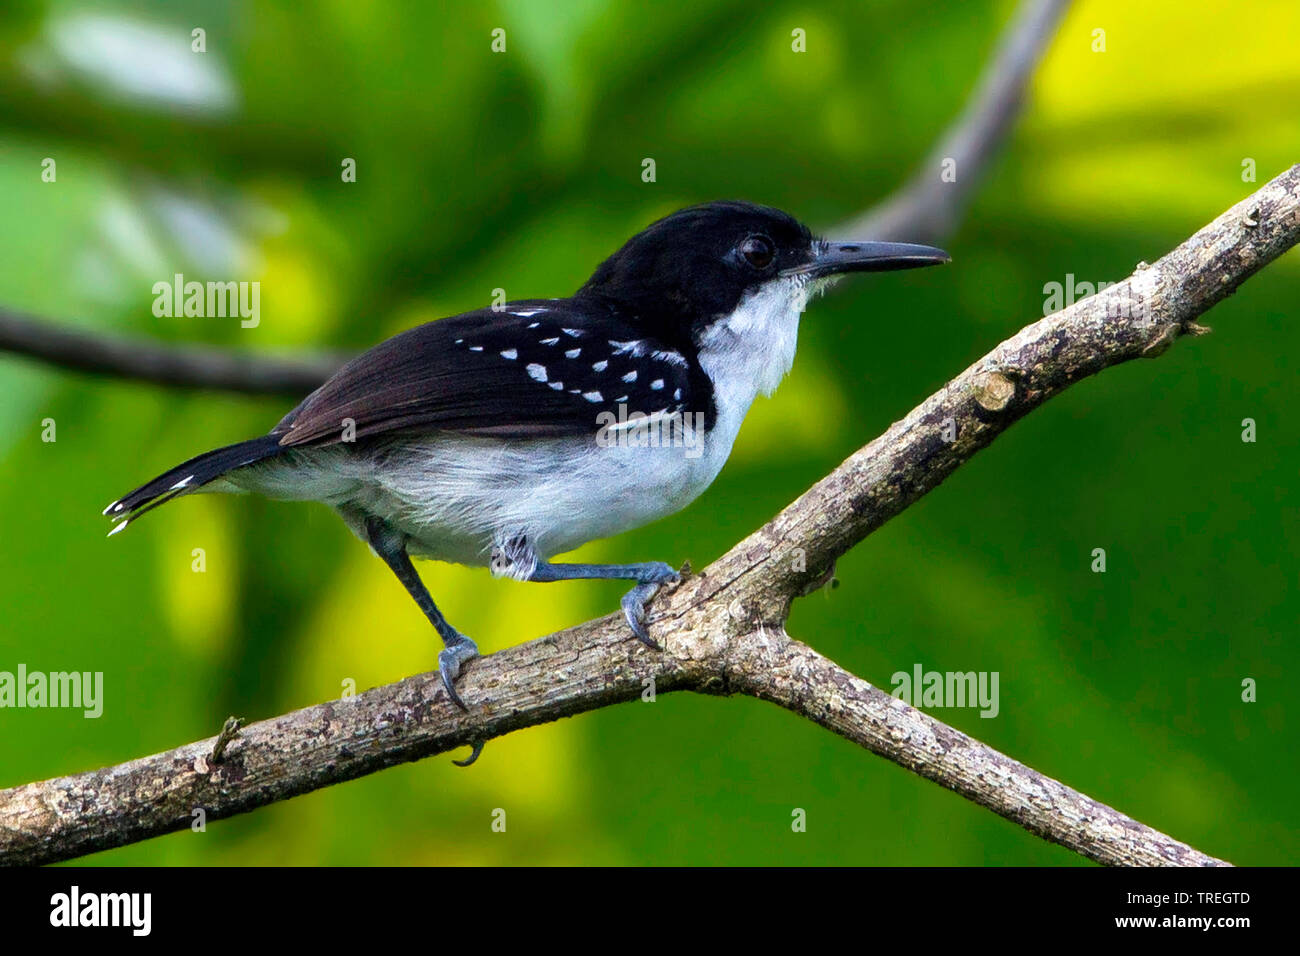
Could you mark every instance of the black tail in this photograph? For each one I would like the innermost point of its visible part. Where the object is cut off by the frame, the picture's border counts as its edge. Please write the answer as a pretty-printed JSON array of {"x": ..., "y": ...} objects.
[{"x": 193, "y": 474}]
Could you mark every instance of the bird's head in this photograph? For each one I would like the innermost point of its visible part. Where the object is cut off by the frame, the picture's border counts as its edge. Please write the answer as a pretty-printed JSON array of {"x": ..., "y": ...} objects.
[{"x": 689, "y": 271}]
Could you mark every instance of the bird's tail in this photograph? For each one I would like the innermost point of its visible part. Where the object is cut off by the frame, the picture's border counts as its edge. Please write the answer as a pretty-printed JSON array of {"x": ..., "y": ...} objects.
[{"x": 190, "y": 475}]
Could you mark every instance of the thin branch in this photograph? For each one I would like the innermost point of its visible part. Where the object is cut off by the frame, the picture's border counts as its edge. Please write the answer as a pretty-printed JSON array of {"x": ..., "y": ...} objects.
[
  {"x": 929, "y": 208},
  {"x": 771, "y": 666},
  {"x": 186, "y": 366},
  {"x": 723, "y": 629},
  {"x": 926, "y": 210}
]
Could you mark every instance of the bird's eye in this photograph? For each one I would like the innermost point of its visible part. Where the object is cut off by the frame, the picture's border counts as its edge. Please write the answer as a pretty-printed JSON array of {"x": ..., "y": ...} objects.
[{"x": 758, "y": 251}]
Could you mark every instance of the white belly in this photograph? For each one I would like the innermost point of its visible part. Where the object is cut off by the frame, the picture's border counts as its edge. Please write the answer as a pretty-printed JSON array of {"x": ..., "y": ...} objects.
[{"x": 455, "y": 497}]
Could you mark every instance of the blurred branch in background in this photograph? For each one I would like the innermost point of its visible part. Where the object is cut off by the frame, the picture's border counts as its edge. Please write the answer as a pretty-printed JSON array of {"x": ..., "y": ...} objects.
[
  {"x": 188, "y": 366},
  {"x": 927, "y": 209},
  {"x": 930, "y": 206},
  {"x": 722, "y": 630}
]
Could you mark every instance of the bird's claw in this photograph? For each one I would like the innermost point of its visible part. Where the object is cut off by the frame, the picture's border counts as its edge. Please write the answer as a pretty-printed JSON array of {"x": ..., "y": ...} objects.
[
  {"x": 478, "y": 749},
  {"x": 634, "y": 610},
  {"x": 634, "y": 602},
  {"x": 454, "y": 656}
]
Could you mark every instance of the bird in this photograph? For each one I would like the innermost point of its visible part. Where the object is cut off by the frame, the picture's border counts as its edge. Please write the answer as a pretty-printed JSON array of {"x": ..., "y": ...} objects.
[{"x": 505, "y": 436}]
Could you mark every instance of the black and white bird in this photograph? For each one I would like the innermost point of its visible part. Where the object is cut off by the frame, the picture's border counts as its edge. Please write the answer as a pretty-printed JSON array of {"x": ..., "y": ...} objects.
[{"x": 486, "y": 438}]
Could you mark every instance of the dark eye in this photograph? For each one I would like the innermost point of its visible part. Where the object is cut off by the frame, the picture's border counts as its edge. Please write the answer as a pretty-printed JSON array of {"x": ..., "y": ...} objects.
[{"x": 758, "y": 251}]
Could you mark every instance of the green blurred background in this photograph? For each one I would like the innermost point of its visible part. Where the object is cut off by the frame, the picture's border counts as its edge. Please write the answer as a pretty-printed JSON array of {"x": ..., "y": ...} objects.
[{"x": 522, "y": 170}]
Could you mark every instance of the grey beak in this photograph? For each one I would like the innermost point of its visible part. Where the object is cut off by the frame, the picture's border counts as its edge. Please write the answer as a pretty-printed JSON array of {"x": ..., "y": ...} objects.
[{"x": 834, "y": 258}]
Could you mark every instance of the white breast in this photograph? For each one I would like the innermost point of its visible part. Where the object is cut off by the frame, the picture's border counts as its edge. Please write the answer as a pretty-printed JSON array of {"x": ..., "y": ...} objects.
[{"x": 750, "y": 351}]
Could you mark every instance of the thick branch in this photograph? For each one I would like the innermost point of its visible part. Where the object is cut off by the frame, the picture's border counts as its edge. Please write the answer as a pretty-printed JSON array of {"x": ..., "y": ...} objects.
[
  {"x": 722, "y": 629},
  {"x": 926, "y": 210}
]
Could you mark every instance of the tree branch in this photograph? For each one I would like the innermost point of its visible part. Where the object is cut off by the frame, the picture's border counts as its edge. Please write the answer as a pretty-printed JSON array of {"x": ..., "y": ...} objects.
[
  {"x": 186, "y": 366},
  {"x": 929, "y": 208},
  {"x": 722, "y": 630},
  {"x": 926, "y": 210}
]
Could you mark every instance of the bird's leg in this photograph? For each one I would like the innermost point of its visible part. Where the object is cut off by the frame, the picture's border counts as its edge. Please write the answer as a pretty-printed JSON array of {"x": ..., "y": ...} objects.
[
  {"x": 648, "y": 576},
  {"x": 390, "y": 544}
]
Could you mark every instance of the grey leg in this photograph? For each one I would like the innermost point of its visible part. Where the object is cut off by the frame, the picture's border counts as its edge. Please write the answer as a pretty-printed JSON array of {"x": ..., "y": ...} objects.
[
  {"x": 390, "y": 545},
  {"x": 648, "y": 576}
]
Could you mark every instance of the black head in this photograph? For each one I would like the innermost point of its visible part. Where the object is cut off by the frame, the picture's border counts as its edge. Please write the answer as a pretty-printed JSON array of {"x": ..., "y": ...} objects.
[{"x": 689, "y": 268}]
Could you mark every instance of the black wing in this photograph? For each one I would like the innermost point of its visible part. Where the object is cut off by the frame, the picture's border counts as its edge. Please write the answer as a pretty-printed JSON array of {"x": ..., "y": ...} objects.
[{"x": 535, "y": 368}]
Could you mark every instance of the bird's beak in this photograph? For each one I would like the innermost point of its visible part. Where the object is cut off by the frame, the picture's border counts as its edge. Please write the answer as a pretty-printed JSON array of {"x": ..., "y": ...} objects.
[{"x": 835, "y": 258}]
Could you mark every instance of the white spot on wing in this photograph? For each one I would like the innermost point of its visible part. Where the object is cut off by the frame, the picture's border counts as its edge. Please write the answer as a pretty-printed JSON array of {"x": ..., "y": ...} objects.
[
  {"x": 476, "y": 348},
  {"x": 630, "y": 376},
  {"x": 599, "y": 366},
  {"x": 573, "y": 353},
  {"x": 550, "y": 341},
  {"x": 528, "y": 314},
  {"x": 572, "y": 333},
  {"x": 556, "y": 385},
  {"x": 657, "y": 384},
  {"x": 510, "y": 354},
  {"x": 536, "y": 372},
  {"x": 593, "y": 396},
  {"x": 672, "y": 358}
]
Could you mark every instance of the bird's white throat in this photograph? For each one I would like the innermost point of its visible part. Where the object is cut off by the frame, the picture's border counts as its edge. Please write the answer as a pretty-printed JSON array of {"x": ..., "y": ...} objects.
[{"x": 748, "y": 352}]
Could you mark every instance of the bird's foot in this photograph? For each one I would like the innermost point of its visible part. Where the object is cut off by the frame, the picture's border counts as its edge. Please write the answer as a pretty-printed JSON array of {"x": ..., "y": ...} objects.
[
  {"x": 460, "y": 650},
  {"x": 634, "y": 601}
]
